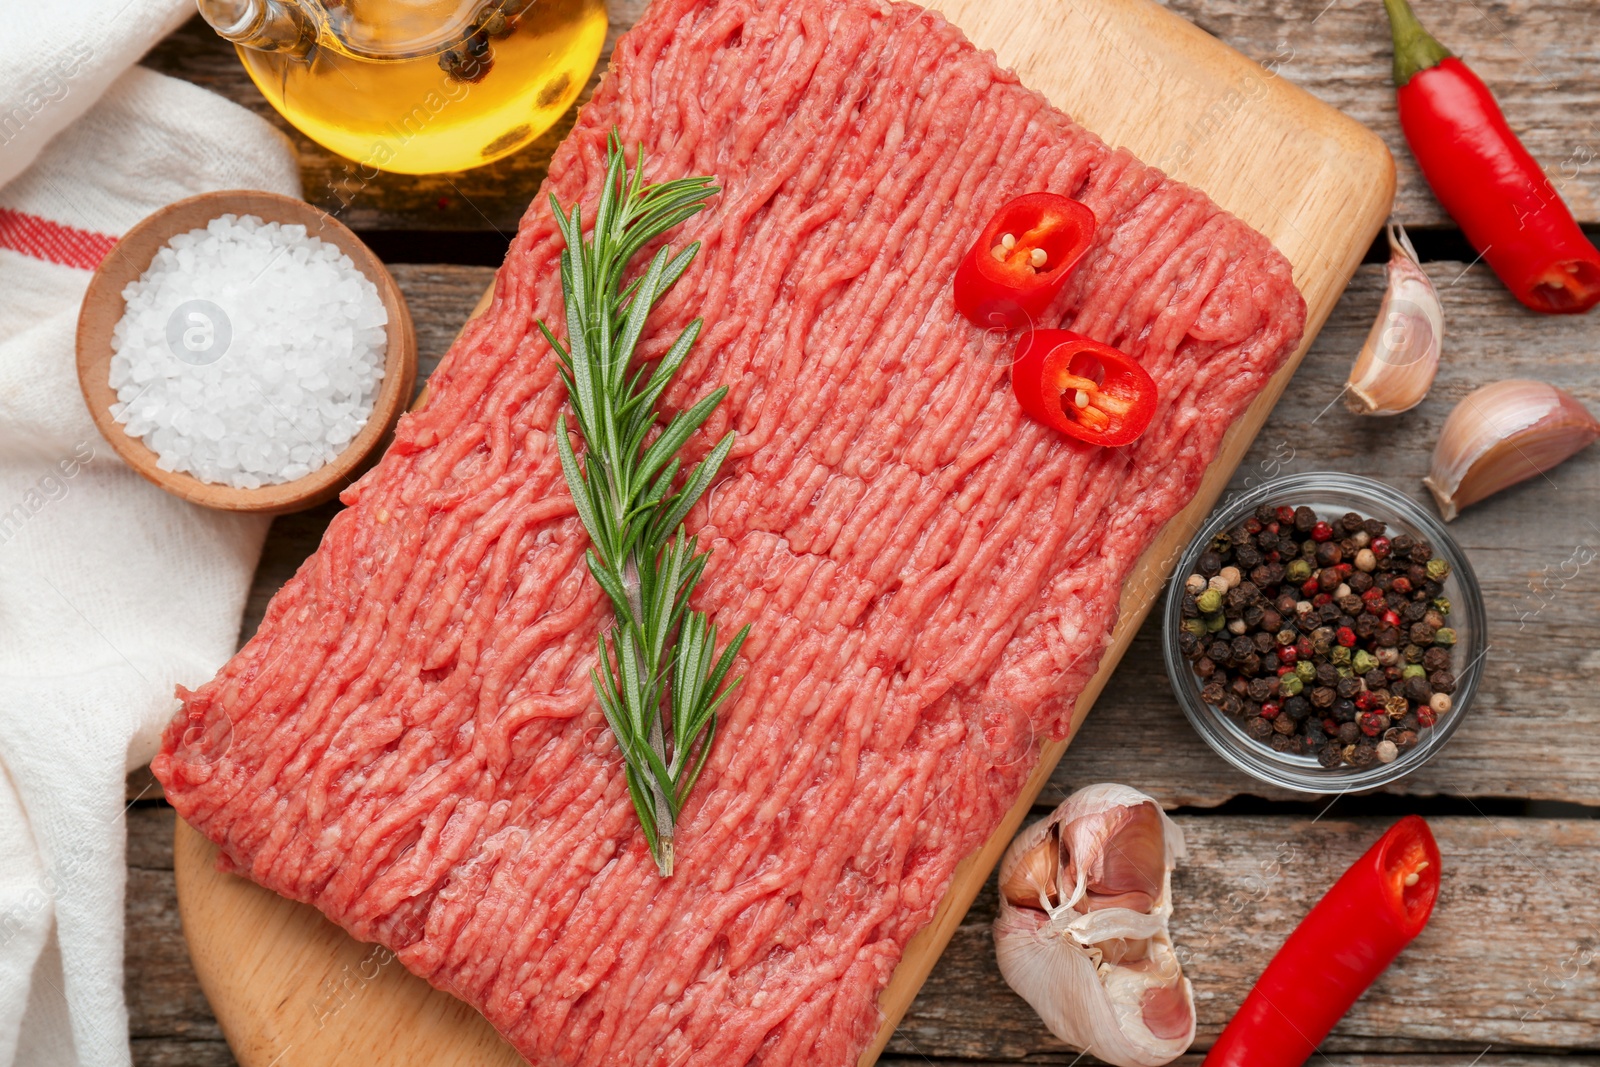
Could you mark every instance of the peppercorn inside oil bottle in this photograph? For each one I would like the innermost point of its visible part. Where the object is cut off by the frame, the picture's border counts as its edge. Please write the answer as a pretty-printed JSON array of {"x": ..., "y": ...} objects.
[{"x": 419, "y": 86}]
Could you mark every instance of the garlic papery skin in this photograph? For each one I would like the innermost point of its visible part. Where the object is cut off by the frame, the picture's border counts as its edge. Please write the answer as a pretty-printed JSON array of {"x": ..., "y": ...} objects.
[
  {"x": 1397, "y": 364},
  {"x": 1104, "y": 978},
  {"x": 1503, "y": 434}
]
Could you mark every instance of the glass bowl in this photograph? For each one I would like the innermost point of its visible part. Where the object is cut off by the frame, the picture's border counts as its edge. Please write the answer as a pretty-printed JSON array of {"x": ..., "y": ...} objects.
[{"x": 1330, "y": 495}]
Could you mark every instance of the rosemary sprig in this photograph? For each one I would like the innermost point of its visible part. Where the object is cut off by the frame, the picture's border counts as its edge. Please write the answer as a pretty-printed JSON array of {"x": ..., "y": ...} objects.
[{"x": 659, "y": 678}]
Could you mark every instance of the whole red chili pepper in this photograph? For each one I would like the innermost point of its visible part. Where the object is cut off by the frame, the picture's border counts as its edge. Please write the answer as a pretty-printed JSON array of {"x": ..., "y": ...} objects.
[
  {"x": 1022, "y": 259},
  {"x": 1084, "y": 389},
  {"x": 1485, "y": 178},
  {"x": 1380, "y": 904}
]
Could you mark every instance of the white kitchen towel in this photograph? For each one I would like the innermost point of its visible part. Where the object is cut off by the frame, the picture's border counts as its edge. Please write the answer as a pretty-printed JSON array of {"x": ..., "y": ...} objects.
[
  {"x": 58, "y": 56},
  {"x": 111, "y": 591}
]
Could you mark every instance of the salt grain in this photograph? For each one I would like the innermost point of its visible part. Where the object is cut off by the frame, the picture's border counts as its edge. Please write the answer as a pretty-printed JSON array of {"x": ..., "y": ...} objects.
[{"x": 250, "y": 353}]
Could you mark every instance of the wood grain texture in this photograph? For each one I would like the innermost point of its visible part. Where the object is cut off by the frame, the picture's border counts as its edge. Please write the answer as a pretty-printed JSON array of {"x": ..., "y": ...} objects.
[
  {"x": 1538, "y": 59},
  {"x": 1205, "y": 114},
  {"x": 1509, "y": 958}
]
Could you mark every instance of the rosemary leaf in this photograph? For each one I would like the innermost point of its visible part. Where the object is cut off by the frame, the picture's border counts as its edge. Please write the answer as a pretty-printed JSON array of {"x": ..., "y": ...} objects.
[{"x": 659, "y": 679}]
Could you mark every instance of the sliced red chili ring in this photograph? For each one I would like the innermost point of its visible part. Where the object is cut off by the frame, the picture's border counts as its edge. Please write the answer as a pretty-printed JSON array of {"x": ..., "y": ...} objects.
[
  {"x": 1083, "y": 388},
  {"x": 1022, "y": 259}
]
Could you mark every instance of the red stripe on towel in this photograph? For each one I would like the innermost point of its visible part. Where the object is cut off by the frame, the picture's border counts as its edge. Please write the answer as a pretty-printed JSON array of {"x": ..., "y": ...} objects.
[{"x": 54, "y": 242}]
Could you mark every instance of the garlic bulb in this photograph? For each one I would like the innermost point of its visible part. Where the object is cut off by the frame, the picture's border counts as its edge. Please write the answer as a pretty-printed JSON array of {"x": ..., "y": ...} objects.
[
  {"x": 1086, "y": 895},
  {"x": 1502, "y": 434},
  {"x": 1396, "y": 366}
]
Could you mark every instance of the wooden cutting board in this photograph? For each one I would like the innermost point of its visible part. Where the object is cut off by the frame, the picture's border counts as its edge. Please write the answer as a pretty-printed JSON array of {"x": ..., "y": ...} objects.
[{"x": 289, "y": 987}]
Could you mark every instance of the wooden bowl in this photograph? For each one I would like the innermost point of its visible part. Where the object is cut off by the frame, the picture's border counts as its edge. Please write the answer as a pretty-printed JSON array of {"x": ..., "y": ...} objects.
[{"x": 103, "y": 307}]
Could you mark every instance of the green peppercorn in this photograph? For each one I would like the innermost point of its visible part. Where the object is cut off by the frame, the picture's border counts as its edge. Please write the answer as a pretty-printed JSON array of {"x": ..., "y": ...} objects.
[
  {"x": 1414, "y": 670},
  {"x": 1195, "y": 626},
  {"x": 1438, "y": 570},
  {"x": 1441, "y": 605},
  {"x": 1306, "y": 670},
  {"x": 1214, "y": 623},
  {"x": 1209, "y": 602},
  {"x": 1364, "y": 661},
  {"x": 1445, "y": 637},
  {"x": 1297, "y": 571},
  {"x": 1290, "y": 685},
  {"x": 1339, "y": 655}
]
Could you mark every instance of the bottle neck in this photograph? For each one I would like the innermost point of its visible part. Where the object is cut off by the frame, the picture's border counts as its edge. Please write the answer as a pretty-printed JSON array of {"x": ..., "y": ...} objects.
[{"x": 262, "y": 25}]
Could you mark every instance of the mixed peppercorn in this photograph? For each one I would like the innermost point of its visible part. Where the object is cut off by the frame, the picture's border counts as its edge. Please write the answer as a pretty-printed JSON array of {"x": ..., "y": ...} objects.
[{"x": 1323, "y": 638}]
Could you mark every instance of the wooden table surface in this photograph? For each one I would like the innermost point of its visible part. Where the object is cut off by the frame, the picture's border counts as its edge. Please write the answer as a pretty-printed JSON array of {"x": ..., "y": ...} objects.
[{"x": 1507, "y": 973}]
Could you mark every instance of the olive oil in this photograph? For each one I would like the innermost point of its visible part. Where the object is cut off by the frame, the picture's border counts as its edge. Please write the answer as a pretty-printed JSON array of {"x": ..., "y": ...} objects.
[{"x": 423, "y": 86}]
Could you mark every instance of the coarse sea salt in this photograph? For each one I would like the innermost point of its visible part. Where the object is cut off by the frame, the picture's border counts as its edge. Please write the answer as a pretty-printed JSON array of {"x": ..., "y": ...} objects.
[{"x": 250, "y": 353}]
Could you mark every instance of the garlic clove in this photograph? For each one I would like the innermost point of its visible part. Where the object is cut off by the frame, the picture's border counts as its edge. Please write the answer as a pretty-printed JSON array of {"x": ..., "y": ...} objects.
[
  {"x": 1128, "y": 850},
  {"x": 1102, "y": 976},
  {"x": 1397, "y": 364},
  {"x": 1035, "y": 880},
  {"x": 1503, "y": 434}
]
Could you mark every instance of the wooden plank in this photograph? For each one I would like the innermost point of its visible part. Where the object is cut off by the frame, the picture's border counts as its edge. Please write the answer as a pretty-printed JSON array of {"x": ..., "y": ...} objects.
[
  {"x": 1509, "y": 958},
  {"x": 1538, "y": 58},
  {"x": 1521, "y": 545}
]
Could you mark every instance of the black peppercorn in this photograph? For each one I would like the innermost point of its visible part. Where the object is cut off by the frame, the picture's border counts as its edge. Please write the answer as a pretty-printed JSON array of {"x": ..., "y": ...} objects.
[
  {"x": 1330, "y": 757},
  {"x": 1246, "y": 557},
  {"x": 1349, "y": 733},
  {"x": 1297, "y": 708},
  {"x": 1375, "y": 678},
  {"x": 1350, "y": 522},
  {"x": 1266, "y": 513},
  {"x": 1329, "y": 554},
  {"x": 1242, "y": 646},
  {"x": 1442, "y": 682},
  {"x": 1209, "y": 563},
  {"x": 1283, "y": 725},
  {"x": 1344, "y": 710},
  {"x": 1232, "y": 704},
  {"x": 1365, "y": 755},
  {"x": 1304, "y": 520},
  {"x": 1347, "y": 687},
  {"x": 1436, "y": 659},
  {"x": 1205, "y": 666},
  {"x": 1417, "y": 690},
  {"x": 1212, "y": 693},
  {"x": 1220, "y": 651},
  {"x": 1258, "y": 728},
  {"x": 1374, "y": 527},
  {"x": 1322, "y": 696}
]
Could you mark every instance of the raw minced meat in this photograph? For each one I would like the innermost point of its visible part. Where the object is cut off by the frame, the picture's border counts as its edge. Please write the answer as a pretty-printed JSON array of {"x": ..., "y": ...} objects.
[{"x": 410, "y": 742}]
